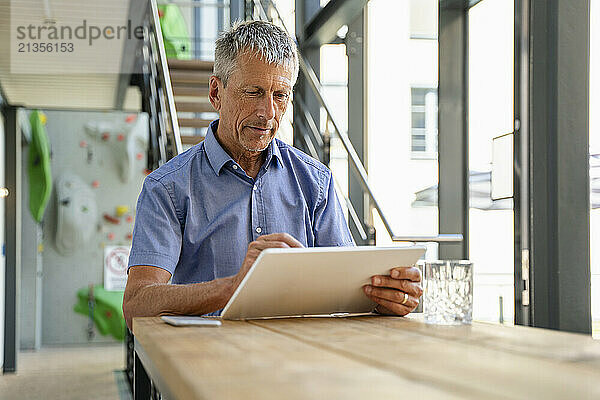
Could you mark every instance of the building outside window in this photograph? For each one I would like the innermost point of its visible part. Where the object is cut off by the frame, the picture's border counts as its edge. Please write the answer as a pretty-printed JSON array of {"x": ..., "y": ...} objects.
[{"x": 424, "y": 122}]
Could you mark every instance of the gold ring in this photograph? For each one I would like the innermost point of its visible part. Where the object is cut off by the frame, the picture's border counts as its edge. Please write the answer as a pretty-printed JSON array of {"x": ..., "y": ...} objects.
[{"x": 405, "y": 299}]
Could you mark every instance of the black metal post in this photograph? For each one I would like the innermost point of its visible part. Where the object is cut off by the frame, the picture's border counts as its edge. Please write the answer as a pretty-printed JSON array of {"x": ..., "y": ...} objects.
[
  {"x": 12, "y": 168},
  {"x": 142, "y": 386},
  {"x": 558, "y": 150}
]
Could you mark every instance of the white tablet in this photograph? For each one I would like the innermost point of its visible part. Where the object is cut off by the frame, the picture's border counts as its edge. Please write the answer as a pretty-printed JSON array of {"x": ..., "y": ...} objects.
[{"x": 314, "y": 281}]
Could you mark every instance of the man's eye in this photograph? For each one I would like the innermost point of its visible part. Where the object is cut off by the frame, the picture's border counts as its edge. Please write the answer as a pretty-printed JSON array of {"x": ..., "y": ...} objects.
[
  {"x": 281, "y": 96},
  {"x": 253, "y": 92}
]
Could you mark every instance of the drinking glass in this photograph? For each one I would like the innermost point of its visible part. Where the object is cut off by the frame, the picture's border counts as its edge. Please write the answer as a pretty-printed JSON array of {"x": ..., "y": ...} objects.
[{"x": 448, "y": 292}]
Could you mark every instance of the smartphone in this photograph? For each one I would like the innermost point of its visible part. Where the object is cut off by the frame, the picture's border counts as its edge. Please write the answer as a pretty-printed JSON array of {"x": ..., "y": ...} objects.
[{"x": 190, "y": 321}]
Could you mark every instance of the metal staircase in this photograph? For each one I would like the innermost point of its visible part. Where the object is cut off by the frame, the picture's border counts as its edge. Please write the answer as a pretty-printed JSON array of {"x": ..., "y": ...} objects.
[{"x": 190, "y": 88}]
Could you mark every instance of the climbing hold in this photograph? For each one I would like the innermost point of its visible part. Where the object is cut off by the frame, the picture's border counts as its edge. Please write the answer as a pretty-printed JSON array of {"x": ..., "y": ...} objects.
[
  {"x": 129, "y": 236},
  {"x": 130, "y": 118},
  {"x": 139, "y": 156},
  {"x": 43, "y": 118},
  {"x": 111, "y": 236},
  {"x": 96, "y": 184},
  {"x": 129, "y": 218},
  {"x": 105, "y": 136},
  {"x": 83, "y": 144},
  {"x": 122, "y": 210},
  {"x": 120, "y": 137},
  {"x": 77, "y": 214},
  {"x": 147, "y": 171},
  {"x": 111, "y": 219}
]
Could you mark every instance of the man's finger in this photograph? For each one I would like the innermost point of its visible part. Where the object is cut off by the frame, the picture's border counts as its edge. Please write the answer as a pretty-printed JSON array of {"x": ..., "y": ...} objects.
[
  {"x": 265, "y": 244},
  {"x": 410, "y": 273},
  {"x": 392, "y": 295},
  {"x": 395, "y": 308},
  {"x": 412, "y": 288},
  {"x": 281, "y": 237}
]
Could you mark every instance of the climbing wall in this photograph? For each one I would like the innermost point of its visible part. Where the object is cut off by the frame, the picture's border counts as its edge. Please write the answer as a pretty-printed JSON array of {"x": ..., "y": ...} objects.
[{"x": 98, "y": 167}]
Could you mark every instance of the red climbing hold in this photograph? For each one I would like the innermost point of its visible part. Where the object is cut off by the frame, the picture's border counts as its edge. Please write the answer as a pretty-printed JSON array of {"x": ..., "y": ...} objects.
[
  {"x": 111, "y": 236},
  {"x": 129, "y": 236},
  {"x": 139, "y": 156},
  {"x": 147, "y": 171},
  {"x": 130, "y": 118},
  {"x": 120, "y": 137},
  {"x": 111, "y": 219},
  {"x": 105, "y": 136},
  {"x": 96, "y": 184},
  {"x": 82, "y": 144},
  {"x": 108, "y": 314},
  {"x": 129, "y": 218}
]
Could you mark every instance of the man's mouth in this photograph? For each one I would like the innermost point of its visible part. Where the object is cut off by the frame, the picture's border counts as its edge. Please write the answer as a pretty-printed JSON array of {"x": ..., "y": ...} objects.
[{"x": 261, "y": 131}]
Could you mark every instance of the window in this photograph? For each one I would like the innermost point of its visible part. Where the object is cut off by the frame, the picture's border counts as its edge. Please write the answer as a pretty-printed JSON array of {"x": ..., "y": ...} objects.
[
  {"x": 423, "y": 19},
  {"x": 424, "y": 128}
]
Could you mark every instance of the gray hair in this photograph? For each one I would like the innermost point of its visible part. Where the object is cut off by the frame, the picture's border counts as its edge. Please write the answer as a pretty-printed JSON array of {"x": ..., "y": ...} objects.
[{"x": 271, "y": 43}]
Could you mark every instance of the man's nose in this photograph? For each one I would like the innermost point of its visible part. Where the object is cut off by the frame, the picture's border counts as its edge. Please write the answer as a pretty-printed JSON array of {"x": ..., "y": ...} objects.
[{"x": 266, "y": 108}]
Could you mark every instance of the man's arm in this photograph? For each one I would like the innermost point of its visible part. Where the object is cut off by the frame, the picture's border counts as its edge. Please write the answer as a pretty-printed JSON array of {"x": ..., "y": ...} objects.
[{"x": 149, "y": 294}]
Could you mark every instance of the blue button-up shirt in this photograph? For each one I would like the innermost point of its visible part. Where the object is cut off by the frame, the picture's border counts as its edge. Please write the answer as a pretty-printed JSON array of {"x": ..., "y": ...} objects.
[{"x": 197, "y": 213}]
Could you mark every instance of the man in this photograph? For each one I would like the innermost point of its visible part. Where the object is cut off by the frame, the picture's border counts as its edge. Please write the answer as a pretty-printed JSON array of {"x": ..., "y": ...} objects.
[{"x": 204, "y": 217}]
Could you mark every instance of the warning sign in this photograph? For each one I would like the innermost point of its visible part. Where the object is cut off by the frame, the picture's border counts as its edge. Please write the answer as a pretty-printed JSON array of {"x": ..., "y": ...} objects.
[{"x": 115, "y": 267}]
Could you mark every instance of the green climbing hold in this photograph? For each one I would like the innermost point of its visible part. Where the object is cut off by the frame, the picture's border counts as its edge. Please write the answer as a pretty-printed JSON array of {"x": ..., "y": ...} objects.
[
  {"x": 174, "y": 31},
  {"x": 38, "y": 166},
  {"x": 108, "y": 310}
]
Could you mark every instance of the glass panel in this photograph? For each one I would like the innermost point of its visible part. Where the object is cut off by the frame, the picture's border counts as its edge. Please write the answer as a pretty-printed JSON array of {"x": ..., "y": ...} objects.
[
  {"x": 491, "y": 233},
  {"x": 334, "y": 79},
  {"x": 595, "y": 163},
  {"x": 402, "y": 71}
]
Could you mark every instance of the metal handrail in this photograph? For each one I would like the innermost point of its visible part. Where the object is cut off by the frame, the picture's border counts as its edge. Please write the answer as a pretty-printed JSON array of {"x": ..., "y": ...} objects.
[
  {"x": 315, "y": 85},
  {"x": 166, "y": 77}
]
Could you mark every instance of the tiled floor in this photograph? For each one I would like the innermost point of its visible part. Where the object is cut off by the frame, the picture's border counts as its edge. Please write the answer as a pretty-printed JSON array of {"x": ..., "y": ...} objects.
[{"x": 73, "y": 373}]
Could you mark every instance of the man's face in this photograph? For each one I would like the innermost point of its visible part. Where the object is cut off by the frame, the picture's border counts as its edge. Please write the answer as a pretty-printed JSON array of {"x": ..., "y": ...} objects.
[{"x": 251, "y": 105}]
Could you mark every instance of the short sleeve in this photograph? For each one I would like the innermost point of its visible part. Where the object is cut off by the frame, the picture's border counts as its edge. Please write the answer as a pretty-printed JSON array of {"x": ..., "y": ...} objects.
[
  {"x": 330, "y": 227},
  {"x": 157, "y": 231}
]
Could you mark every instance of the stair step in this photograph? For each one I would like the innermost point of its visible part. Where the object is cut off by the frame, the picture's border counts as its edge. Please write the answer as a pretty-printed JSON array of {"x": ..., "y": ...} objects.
[
  {"x": 196, "y": 91},
  {"x": 191, "y": 139},
  {"x": 195, "y": 106},
  {"x": 189, "y": 77},
  {"x": 194, "y": 122},
  {"x": 197, "y": 65}
]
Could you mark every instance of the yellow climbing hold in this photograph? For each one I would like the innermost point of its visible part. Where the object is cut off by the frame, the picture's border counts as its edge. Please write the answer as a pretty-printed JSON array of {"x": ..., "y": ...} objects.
[
  {"x": 43, "y": 118},
  {"x": 122, "y": 210}
]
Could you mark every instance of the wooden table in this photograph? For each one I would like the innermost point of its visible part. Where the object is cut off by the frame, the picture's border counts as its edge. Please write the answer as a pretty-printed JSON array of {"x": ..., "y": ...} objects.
[{"x": 364, "y": 358}]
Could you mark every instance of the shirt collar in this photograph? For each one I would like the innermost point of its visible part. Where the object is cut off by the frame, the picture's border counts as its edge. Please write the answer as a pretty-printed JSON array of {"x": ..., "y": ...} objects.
[{"x": 218, "y": 157}]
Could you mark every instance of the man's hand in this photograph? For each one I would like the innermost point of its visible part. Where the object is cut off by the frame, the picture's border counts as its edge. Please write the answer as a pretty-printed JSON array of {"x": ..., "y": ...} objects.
[
  {"x": 388, "y": 290},
  {"x": 274, "y": 240}
]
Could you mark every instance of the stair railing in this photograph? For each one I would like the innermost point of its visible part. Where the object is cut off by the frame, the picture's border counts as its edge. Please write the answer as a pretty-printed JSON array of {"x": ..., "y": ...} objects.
[
  {"x": 353, "y": 157},
  {"x": 161, "y": 90}
]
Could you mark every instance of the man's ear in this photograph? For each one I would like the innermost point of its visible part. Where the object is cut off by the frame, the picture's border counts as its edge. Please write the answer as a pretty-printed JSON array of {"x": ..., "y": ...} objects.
[{"x": 215, "y": 91}]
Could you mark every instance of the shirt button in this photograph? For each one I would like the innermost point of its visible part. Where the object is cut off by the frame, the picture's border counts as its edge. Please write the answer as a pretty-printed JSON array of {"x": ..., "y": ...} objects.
[
  {"x": 235, "y": 166},
  {"x": 258, "y": 229},
  {"x": 255, "y": 187}
]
